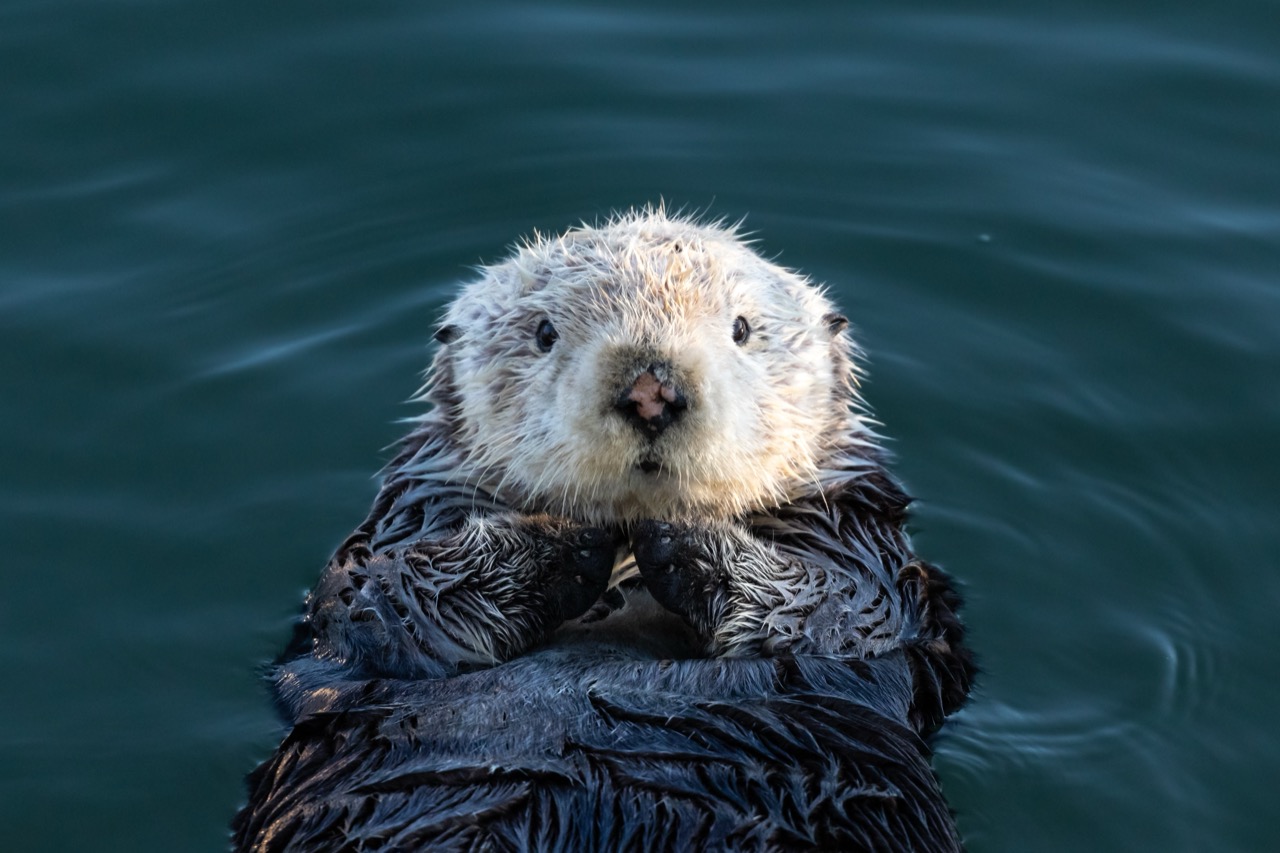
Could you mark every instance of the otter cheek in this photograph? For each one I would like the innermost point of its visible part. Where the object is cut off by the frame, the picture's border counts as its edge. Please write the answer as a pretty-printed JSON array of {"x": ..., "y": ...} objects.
[
  {"x": 732, "y": 404},
  {"x": 595, "y": 440}
]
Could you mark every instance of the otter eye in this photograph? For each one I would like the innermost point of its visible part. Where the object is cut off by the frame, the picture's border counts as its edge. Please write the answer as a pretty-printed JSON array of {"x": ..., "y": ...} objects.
[
  {"x": 547, "y": 336},
  {"x": 741, "y": 331}
]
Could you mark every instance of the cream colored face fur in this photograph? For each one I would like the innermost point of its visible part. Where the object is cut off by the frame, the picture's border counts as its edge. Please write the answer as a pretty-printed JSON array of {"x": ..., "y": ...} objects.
[{"x": 539, "y": 429}]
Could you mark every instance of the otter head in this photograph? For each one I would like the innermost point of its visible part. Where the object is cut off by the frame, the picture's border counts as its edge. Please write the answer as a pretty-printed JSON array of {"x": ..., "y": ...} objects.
[{"x": 649, "y": 368}]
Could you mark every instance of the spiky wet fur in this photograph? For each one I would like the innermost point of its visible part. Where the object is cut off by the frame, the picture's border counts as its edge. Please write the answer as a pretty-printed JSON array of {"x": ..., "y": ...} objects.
[{"x": 769, "y": 653}]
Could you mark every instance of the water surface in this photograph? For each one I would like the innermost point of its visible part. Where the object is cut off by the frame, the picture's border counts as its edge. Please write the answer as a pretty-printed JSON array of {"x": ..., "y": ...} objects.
[{"x": 226, "y": 230}]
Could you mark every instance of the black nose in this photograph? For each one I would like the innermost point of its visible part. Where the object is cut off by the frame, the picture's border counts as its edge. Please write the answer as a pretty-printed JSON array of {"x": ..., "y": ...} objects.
[{"x": 650, "y": 404}]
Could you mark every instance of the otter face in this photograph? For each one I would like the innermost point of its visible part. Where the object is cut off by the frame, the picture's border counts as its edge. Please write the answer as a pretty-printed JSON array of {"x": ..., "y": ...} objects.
[{"x": 651, "y": 368}]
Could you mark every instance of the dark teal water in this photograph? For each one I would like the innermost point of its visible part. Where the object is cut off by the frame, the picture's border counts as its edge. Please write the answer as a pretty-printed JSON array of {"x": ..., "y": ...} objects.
[{"x": 226, "y": 229}]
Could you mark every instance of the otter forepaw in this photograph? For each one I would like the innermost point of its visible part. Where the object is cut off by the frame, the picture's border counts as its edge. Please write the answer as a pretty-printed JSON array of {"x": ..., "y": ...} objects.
[
  {"x": 581, "y": 574},
  {"x": 676, "y": 567},
  {"x": 657, "y": 546}
]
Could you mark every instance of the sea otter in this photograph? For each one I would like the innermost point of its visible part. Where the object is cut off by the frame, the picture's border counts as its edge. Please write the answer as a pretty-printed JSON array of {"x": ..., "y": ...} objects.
[{"x": 637, "y": 580}]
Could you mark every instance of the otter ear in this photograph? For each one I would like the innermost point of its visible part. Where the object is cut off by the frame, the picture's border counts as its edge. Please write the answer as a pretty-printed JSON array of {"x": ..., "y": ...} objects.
[
  {"x": 836, "y": 323},
  {"x": 448, "y": 334}
]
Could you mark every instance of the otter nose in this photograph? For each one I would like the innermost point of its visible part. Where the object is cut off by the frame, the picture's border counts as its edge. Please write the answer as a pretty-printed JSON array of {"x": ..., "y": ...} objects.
[{"x": 650, "y": 404}]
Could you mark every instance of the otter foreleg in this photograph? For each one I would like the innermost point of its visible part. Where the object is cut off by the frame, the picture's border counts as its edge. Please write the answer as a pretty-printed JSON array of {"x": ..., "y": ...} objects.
[
  {"x": 744, "y": 595},
  {"x": 480, "y": 595}
]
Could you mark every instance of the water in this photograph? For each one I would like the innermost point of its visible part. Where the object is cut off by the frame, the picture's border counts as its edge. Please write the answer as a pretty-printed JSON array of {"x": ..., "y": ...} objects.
[{"x": 227, "y": 228}]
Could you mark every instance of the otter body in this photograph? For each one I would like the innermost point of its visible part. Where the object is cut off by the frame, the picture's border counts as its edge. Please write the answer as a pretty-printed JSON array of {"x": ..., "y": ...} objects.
[{"x": 637, "y": 580}]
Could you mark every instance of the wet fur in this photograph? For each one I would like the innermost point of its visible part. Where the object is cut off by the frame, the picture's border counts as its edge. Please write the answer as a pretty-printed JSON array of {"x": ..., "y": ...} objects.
[{"x": 525, "y": 645}]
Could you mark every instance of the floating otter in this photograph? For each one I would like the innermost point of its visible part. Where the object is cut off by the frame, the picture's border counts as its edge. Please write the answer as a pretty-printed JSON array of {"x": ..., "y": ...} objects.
[{"x": 636, "y": 581}]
